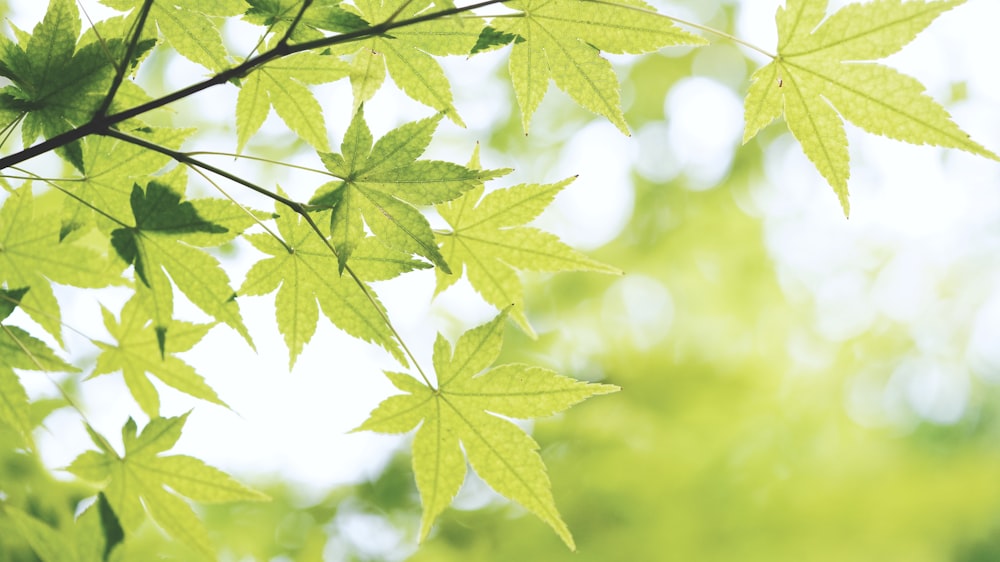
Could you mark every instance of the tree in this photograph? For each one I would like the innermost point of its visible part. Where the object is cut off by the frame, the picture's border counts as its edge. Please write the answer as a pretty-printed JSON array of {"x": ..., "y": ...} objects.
[{"x": 120, "y": 212}]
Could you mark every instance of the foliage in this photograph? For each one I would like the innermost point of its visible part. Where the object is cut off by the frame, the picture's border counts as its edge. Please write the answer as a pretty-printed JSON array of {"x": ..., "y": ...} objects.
[{"x": 121, "y": 212}]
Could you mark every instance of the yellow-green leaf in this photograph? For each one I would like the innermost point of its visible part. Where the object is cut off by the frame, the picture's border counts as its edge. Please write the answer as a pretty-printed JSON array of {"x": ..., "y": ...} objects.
[
  {"x": 407, "y": 52},
  {"x": 459, "y": 415},
  {"x": 138, "y": 353},
  {"x": 490, "y": 241},
  {"x": 820, "y": 77},
  {"x": 382, "y": 182},
  {"x": 282, "y": 84},
  {"x": 305, "y": 272}
]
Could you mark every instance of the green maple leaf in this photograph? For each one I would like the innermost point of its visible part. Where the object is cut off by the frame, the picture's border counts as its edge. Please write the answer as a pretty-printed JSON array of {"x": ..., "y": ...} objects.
[
  {"x": 32, "y": 254},
  {"x": 90, "y": 539},
  {"x": 819, "y": 78},
  {"x": 109, "y": 168},
  {"x": 57, "y": 86},
  {"x": 165, "y": 229},
  {"x": 462, "y": 414},
  {"x": 407, "y": 52},
  {"x": 282, "y": 84},
  {"x": 188, "y": 27},
  {"x": 305, "y": 272},
  {"x": 138, "y": 352},
  {"x": 382, "y": 183},
  {"x": 322, "y": 15},
  {"x": 563, "y": 40},
  {"x": 490, "y": 241},
  {"x": 136, "y": 481}
]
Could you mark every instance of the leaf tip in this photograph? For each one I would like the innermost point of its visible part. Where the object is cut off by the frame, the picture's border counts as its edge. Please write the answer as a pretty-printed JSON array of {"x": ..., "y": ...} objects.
[{"x": 161, "y": 340}]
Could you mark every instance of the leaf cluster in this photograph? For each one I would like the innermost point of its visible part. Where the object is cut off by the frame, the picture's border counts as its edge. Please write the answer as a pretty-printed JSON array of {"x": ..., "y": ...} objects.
[{"x": 121, "y": 212}]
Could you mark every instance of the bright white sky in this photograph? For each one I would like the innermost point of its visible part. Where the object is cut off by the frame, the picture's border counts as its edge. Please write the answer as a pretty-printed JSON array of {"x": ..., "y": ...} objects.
[{"x": 933, "y": 212}]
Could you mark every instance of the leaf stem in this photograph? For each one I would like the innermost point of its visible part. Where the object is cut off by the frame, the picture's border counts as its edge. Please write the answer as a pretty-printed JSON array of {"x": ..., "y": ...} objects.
[
  {"x": 697, "y": 26},
  {"x": 104, "y": 44},
  {"x": 295, "y": 22},
  {"x": 260, "y": 159},
  {"x": 140, "y": 24},
  {"x": 368, "y": 295},
  {"x": 52, "y": 182},
  {"x": 259, "y": 222},
  {"x": 183, "y": 158}
]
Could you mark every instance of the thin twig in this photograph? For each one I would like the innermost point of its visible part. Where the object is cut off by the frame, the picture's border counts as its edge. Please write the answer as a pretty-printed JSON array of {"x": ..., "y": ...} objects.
[
  {"x": 140, "y": 24},
  {"x": 260, "y": 159},
  {"x": 259, "y": 222},
  {"x": 100, "y": 124},
  {"x": 185, "y": 159},
  {"x": 295, "y": 22},
  {"x": 697, "y": 26},
  {"x": 100, "y": 40},
  {"x": 70, "y": 194},
  {"x": 369, "y": 296}
]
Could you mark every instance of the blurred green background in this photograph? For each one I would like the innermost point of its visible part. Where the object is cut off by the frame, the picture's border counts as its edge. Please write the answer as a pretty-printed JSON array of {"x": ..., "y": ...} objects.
[{"x": 796, "y": 386}]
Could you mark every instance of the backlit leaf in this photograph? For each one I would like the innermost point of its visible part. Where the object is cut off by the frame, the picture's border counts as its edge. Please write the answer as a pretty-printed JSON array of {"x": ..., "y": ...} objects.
[
  {"x": 137, "y": 353},
  {"x": 490, "y": 241},
  {"x": 157, "y": 243},
  {"x": 819, "y": 78},
  {"x": 383, "y": 182},
  {"x": 305, "y": 273},
  {"x": 408, "y": 52},
  {"x": 282, "y": 84},
  {"x": 459, "y": 415}
]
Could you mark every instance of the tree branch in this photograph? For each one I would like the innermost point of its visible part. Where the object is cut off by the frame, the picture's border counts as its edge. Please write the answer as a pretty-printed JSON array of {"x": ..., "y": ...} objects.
[{"x": 101, "y": 124}]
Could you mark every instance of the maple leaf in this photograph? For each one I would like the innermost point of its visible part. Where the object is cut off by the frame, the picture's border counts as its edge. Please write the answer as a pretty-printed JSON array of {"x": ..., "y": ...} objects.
[
  {"x": 188, "y": 27},
  {"x": 462, "y": 413},
  {"x": 282, "y": 84},
  {"x": 321, "y": 15},
  {"x": 305, "y": 272},
  {"x": 161, "y": 240},
  {"x": 137, "y": 480},
  {"x": 138, "y": 352},
  {"x": 57, "y": 86},
  {"x": 819, "y": 77},
  {"x": 382, "y": 183},
  {"x": 32, "y": 254},
  {"x": 407, "y": 52},
  {"x": 563, "y": 40},
  {"x": 490, "y": 241}
]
